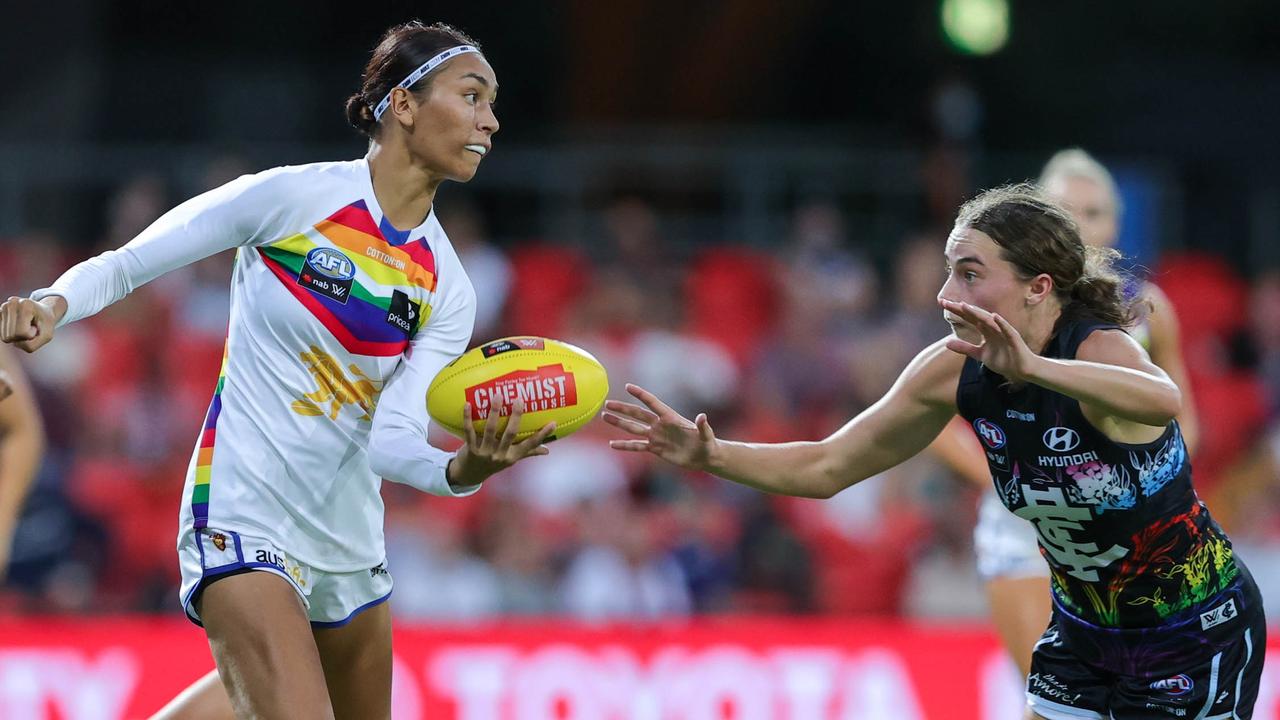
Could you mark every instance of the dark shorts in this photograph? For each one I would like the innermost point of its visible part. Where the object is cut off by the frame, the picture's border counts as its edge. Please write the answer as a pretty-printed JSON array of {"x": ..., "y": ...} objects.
[{"x": 1207, "y": 665}]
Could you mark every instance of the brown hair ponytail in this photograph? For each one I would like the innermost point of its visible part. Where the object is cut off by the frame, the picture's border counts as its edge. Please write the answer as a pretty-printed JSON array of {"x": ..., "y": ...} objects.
[{"x": 1038, "y": 236}]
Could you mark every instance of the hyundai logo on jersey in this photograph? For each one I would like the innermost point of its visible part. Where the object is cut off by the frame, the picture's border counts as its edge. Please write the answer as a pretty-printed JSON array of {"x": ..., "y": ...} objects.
[
  {"x": 1060, "y": 439},
  {"x": 990, "y": 433},
  {"x": 329, "y": 273},
  {"x": 331, "y": 263}
]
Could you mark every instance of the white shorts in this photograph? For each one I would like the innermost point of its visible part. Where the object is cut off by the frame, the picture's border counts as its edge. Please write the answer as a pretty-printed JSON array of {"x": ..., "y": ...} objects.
[
  {"x": 331, "y": 599},
  {"x": 1005, "y": 544}
]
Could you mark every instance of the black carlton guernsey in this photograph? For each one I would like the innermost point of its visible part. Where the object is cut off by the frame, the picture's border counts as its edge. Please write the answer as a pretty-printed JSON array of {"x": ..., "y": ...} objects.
[{"x": 1129, "y": 543}]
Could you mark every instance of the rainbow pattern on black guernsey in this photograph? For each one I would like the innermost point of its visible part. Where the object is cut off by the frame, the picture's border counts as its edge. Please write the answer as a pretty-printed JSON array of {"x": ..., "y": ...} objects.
[
  {"x": 359, "y": 322},
  {"x": 1128, "y": 541}
]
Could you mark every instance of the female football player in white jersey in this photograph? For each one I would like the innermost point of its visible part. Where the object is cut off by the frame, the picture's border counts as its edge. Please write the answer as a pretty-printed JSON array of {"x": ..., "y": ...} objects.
[
  {"x": 346, "y": 299},
  {"x": 1153, "y": 614},
  {"x": 1009, "y": 561}
]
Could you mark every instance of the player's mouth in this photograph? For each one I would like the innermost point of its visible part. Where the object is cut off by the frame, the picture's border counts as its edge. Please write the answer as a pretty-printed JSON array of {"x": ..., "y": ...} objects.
[{"x": 480, "y": 150}]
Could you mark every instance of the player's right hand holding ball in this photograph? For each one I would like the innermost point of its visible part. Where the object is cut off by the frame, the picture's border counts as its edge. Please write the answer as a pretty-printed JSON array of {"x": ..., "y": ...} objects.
[
  {"x": 662, "y": 431},
  {"x": 28, "y": 324},
  {"x": 488, "y": 453}
]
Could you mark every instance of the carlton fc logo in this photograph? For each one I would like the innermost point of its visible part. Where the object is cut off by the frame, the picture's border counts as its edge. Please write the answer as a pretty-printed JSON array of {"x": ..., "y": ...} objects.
[
  {"x": 990, "y": 433},
  {"x": 1061, "y": 439}
]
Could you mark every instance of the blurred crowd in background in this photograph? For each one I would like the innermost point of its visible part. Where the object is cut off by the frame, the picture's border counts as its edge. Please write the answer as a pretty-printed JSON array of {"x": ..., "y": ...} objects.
[{"x": 775, "y": 343}]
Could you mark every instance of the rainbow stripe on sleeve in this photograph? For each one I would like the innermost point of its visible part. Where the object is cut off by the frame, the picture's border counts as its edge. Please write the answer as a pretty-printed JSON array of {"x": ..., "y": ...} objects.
[
  {"x": 360, "y": 324},
  {"x": 204, "y": 454}
]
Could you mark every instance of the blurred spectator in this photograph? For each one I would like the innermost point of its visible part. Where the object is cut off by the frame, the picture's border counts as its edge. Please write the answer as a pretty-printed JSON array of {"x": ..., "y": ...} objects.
[
  {"x": 133, "y": 207},
  {"x": 906, "y": 323},
  {"x": 774, "y": 569},
  {"x": 731, "y": 299},
  {"x": 692, "y": 373},
  {"x": 705, "y": 546},
  {"x": 621, "y": 570},
  {"x": 1212, "y": 302},
  {"x": 633, "y": 247},
  {"x": 486, "y": 265},
  {"x": 519, "y": 550},
  {"x": 437, "y": 575},
  {"x": 30, "y": 261},
  {"x": 548, "y": 281},
  {"x": 822, "y": 303},
  {"x": 579, "y": 469},
  {"x": 823, "y": 273},
  {"x": 1264, "y": 328}
]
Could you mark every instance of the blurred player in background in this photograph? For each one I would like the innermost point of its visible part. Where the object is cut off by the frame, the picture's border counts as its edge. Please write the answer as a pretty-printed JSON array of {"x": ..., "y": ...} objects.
[
  {"x": 1008, "y": 557},
  {"x": 1084, "y": 186},
  {"x": 21, "y": 447},
  {"x": 340, "y": 320},
  {"x": 1151, "y": 608}
]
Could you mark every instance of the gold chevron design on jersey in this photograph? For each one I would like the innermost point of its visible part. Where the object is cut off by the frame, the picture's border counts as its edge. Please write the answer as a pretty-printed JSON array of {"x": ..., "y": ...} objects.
[{"x": 335, "y": 388}]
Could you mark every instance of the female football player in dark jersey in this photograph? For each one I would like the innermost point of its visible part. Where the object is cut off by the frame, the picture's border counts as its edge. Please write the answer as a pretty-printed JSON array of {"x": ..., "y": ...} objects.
[
  {"x": 1008, "y": 555},
  {"x": 1153, "y": 614}
]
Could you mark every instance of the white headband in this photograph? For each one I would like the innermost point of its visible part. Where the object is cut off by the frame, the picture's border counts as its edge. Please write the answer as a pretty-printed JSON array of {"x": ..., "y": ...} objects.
[{"x": 423, "y": 69}]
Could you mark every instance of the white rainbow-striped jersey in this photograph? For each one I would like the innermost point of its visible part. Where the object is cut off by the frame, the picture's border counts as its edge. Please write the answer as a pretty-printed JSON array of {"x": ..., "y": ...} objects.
[{"x": 339, "y": 322}]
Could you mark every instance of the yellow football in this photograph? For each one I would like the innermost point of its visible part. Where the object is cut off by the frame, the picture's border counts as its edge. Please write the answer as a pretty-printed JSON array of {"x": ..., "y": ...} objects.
[{"x": 557, "y": 381}]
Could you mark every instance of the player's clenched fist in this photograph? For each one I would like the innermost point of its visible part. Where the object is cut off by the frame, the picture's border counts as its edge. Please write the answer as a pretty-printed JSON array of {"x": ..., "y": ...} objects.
[{"x": 26, "y": 323}]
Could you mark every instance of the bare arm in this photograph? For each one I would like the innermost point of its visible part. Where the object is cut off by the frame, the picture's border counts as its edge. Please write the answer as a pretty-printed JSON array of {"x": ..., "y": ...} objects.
[
  {"x": 958, "y": 449},
  {"x": 898, "y": 426},
  {"x": 1166, "y": 351},
  {"x": 1113, "y": 379},
  {"x": 245, "y": 211},
  {"x": 21, "y": 446}
]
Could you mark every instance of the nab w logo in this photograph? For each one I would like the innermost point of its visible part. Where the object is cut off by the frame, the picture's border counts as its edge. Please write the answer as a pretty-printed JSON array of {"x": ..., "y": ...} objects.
[
  {"x": 1061, "y": 439},
  {"x": 990, "y": 433}
]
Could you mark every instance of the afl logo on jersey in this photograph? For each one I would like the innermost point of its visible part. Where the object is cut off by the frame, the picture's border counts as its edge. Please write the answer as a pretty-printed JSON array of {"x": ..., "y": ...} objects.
[
  {"x": 991, "y": 434},
  {"x": 1060, "y": 439},
  {"x": 331, "y": 263},
  {"x": 1176, "y": 686}
]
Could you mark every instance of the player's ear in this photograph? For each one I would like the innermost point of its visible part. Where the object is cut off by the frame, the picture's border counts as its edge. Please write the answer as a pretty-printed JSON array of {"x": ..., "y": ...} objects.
[
  {"x": 1040, "y": 287},
  {"x": 403, "y": 106}
]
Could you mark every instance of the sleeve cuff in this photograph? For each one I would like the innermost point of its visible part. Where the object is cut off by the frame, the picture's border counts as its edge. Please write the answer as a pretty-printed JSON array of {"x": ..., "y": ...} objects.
[{"x": 43, "y": 293}]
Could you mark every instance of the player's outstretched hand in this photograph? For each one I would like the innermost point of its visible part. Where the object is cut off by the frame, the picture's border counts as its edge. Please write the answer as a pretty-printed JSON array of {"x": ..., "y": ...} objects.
[
  {"x": 488, "y": 453},
  {"x": 660, "y": 430},
  {"x": 1002, "y": 350},
  {"x": 26, "y": 323}
]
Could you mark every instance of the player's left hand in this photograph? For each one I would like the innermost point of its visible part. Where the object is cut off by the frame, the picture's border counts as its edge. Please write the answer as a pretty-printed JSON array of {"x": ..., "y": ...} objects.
[
  {"x": 487, "y": 454},
  {"x": 1002, "y": 350},
  {"x": 28, "y": 324}
]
